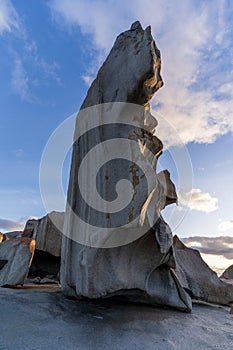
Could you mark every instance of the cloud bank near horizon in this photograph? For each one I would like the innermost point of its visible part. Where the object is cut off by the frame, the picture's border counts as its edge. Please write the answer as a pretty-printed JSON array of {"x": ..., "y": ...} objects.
[
  {"x": 10, "y": 225},
  {"x": 196, "y": 45},
  {"x": 215, "y": 245}
]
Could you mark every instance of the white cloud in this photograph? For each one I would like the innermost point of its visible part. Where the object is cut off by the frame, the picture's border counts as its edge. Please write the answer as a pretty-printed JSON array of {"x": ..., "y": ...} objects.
[
  {"x": 226, "y": 225},
  {"x": 8, "y": 17},
  {"x": 196, "y": 45},
  {"x": 197, "y": 200},
  {"x": 100, "y": 19},
  {"x": 227, "y": 89}
]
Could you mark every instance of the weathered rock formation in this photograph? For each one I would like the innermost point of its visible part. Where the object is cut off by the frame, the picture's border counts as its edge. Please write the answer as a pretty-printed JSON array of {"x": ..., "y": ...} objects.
[
  {"x": 197, "y": 278},
  {"x": 47, "y": 234},
  {"x": 92, "y": 265},
  {"x": 35, "y": 251},
  {"x": 169, "y": 188},
  {"x": 228, "y": 273},
  {"x": 12, "y": 235},
  {"x": 15, "y": 260},
  {"x": 29, "y": 228},
  {"x": 129, "y": 252}
]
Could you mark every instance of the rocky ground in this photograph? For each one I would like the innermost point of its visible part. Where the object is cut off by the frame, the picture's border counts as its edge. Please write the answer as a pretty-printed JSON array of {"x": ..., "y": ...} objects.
[{"x": 37, "y": 317}]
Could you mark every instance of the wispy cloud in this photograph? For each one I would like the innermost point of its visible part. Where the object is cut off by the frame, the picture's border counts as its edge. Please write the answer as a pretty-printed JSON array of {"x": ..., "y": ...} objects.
[
  {"x": 226, "y": 225},
  {"x": 9, "y": 19},
  {"x": 10, "y": 225},
  {"x": 27, "y": 199},
  {"x": 197, "y": 200},
  {"x": 87, "y": 79},
  {"x": 50, "y": 69},
  {"x": 20, "y": 81},
  {"x": 29, "y": 68},
  {"x": 196, "y": 42},
  {"x": 19, "y": 153}
]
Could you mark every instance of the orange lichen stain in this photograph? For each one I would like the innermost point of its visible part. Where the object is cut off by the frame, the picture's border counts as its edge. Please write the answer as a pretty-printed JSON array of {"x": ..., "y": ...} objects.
[
  {"x": 32, "y": 248},
  {"x": 131, "y": 215},
  {"x": 134, "y": 168}
]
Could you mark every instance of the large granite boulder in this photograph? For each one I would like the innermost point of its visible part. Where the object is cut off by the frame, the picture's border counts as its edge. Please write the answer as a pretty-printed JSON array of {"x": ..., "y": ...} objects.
[
  {"x": 197, "y": 278},
  {"x": 133, "y": 258},
  {"x": 47, "y": 234},
  {"x": 41, "y": 237},
  {"x": 15, "y": 260}
]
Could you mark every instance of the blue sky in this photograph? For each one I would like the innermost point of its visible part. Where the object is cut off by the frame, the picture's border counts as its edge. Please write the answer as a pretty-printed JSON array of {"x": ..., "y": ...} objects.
[{"x": 50, "y": 51}]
